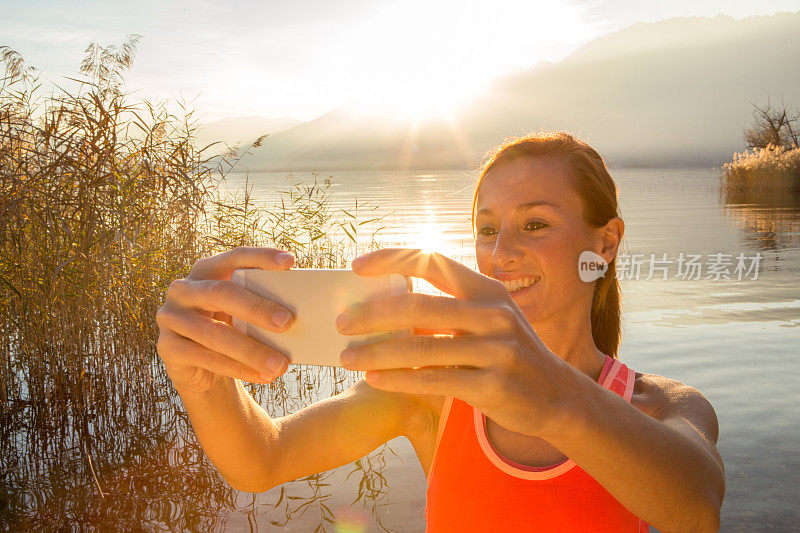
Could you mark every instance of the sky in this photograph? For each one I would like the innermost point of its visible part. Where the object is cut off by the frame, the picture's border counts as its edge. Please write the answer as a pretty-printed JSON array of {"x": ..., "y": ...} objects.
[{"x": 306, "y": 57}]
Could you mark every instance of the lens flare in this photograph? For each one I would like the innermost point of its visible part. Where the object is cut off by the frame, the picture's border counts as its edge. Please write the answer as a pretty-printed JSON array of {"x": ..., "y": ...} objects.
[{"x": 350, "y": 520}]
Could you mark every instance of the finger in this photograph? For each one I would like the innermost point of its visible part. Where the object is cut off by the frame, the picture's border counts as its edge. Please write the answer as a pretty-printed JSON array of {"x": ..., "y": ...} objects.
[
  {"x": 222, "y": 266},
  {"x": 230, "y": 298},
  {"x": 440, "y": 331},
  {"x": 466, "y": 384},
  {"x": 222, "y": 317},
  {"x": 442, "y": 272},
  {"x": 222, "y": 338},
  {"x": 426, "y": 311},
  {"x": 421, "y": 350},
  {"x": 188, "y": 352}
]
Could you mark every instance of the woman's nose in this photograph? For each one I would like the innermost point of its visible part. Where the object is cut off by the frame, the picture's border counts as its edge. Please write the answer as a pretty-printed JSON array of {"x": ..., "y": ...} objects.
[{"x": 507, "y": 251}]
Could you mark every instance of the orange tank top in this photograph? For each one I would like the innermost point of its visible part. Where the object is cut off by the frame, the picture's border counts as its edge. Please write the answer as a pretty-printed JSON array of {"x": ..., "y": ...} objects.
[{"x": 471, "y": 487}]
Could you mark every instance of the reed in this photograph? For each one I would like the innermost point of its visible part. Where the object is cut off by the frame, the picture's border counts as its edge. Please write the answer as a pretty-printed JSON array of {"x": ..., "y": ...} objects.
[
  {"x": 772, "y": 168},
  {"x": 103, "y": 202}
]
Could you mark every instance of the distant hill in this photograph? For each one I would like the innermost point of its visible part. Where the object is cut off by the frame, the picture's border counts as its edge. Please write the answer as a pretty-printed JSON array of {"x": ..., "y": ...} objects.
[
  {"x": 240, "y": 130},
  {"x": 673, "y": 92}
]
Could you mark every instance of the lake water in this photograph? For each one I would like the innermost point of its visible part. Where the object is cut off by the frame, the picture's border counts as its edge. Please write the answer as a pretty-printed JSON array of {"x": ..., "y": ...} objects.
[
  {"x": 736, "y": 340},
  {"x": 129, "y": 459}
]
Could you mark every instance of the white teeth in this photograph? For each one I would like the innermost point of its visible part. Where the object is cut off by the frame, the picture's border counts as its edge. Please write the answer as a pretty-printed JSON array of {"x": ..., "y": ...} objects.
[{"x": 518, "y": 284}]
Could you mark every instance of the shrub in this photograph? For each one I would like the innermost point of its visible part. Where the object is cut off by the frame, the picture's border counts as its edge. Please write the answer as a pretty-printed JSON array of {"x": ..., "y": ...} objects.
[{"x": 764, "y": 169}]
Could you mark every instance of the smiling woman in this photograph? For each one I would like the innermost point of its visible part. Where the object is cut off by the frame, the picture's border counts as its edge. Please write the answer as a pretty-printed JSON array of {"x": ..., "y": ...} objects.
[
  {"x": 519, "y": 411},
  {"x": 572, "y": 196}
]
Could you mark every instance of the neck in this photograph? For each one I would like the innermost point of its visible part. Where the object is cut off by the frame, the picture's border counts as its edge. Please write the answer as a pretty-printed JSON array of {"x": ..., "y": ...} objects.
[{"x": 569, "y": 336}]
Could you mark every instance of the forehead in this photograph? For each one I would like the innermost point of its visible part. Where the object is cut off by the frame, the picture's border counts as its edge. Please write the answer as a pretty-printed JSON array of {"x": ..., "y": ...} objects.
[{"x": 525, "y": 180}]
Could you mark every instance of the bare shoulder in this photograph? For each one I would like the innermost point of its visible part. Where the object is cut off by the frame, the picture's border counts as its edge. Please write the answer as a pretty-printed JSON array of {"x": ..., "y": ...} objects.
[{"x": 666, "y": 399}]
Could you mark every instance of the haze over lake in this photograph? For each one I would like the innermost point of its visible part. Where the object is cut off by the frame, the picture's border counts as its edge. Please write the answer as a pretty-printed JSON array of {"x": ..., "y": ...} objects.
[{"x": 677, "y": 92}]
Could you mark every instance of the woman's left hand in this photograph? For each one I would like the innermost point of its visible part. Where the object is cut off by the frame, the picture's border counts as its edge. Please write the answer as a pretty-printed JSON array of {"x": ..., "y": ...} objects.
[{"x": 494, "y": 361}]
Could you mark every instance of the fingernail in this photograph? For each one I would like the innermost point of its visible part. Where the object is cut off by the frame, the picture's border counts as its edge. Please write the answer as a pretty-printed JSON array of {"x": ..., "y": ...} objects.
[
  {"x": 275, "y": 363},
  {"x": 281, "y": 318},
  {"x": 342, "y": 321},
  {"x": 358, "y": 262},
  {"x": 347, "y": 357},
  {"x": 371, "y": 377},
  {"x": 283, "y": 258}
]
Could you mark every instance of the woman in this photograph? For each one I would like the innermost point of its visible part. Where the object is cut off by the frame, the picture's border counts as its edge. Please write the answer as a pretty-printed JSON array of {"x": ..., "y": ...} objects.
[{"x": 522, "y": 419}]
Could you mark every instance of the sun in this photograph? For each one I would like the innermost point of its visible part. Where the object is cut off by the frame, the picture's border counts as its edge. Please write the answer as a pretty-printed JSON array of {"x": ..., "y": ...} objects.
[
  {"x": 428, "y": 235},
  {"x": 430, "y": 240},
  {"x": 420, "y": 60},
  {"x": 415, "y": 101}
]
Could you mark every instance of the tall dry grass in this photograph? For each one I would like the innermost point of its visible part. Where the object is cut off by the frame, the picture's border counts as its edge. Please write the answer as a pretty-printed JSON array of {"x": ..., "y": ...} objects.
[
  {"x": 103, "y": 202},
  {"x": 763, "y": 169}
]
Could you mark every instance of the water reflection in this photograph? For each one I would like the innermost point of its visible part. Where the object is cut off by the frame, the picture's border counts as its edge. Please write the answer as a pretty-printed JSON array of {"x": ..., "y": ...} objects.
[
  {"x": 122, "y": 462},
  {"x": 130, "y": 461},
  {"x": 768, "y": 220}
]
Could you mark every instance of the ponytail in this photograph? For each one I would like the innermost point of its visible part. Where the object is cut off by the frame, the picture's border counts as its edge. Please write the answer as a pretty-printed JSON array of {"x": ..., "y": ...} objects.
[{"x": 607, "y": 312}]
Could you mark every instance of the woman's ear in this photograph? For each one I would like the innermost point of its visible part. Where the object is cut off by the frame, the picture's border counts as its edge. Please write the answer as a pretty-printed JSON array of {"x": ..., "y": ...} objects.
[{"x": 612, "y": 234}]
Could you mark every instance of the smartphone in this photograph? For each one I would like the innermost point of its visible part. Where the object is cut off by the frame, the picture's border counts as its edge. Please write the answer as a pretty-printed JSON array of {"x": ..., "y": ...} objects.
[{"x": 316, "y": 297}]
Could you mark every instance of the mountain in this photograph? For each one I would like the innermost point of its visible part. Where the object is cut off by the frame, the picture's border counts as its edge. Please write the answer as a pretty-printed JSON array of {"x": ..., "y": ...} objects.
[
  {"x": 346, "y": 139},
  {"x": 240, "y": 130},
  {"x": 674, "y": 92}
]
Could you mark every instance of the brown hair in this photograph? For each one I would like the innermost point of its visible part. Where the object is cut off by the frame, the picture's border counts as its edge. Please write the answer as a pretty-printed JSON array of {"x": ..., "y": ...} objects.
[{"x": 598, "y": 192}]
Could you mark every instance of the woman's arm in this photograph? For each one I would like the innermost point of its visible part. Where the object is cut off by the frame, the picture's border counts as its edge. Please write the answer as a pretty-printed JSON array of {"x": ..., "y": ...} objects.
[
  {"x": 255, "y": 452},
  {"x": 673, "y": 476},
  {"x": 235, "y": 433}
]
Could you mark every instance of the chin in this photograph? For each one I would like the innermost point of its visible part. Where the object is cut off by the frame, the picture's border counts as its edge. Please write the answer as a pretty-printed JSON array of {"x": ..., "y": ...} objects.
[
  {"x": 529, "y": 303},
  {"x": 531, "y": 311},
  {"x": 535, "y": 306}
]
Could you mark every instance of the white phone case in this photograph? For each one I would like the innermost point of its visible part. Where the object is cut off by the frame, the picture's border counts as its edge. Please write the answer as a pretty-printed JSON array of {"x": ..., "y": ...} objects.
[{"x": 316, "y": 297}]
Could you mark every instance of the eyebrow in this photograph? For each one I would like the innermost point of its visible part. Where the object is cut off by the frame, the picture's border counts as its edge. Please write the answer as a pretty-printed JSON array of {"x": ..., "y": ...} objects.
[{"x": 520, "y": 207}]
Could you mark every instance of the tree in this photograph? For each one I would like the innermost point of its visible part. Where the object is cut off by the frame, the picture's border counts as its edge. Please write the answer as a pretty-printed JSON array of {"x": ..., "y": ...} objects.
[{"x": 778, "y": 126}]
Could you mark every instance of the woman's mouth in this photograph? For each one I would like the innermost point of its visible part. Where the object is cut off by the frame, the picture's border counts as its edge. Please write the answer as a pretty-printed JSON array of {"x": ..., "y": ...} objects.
[{"x": 520, "y": 283}]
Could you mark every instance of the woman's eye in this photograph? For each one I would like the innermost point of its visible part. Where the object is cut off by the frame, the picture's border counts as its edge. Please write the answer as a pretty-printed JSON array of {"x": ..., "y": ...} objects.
[
  {"x": 488, "y": 231},
  {"x": 537, "y": 224}
]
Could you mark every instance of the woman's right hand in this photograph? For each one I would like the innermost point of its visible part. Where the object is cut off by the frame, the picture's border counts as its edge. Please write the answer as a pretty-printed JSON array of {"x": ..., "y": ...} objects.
[{"x": 197, "y": 341}]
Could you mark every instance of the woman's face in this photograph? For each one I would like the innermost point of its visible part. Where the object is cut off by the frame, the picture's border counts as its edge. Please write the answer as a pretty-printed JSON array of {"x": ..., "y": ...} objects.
[{"x": 530, "y": 228}]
